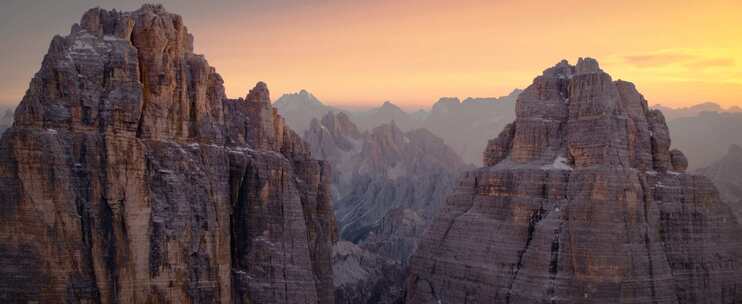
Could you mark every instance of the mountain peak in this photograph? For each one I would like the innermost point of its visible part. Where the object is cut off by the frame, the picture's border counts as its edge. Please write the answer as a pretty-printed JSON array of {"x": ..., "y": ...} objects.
[
  {"x": 564, "y": 69},
  {"x": 259, "y": 93},
  {"x": 389, "y": 104},
  {"x": 586, "y": 105}
]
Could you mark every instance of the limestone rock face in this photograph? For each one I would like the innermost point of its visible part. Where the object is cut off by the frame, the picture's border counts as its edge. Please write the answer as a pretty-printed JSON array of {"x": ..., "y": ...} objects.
[
  {"x": 580, "y": 202},
  {"x": 382, "y": 170},
  {"x": 129, "y": 177},
  {"x": 388, "y": 186},
  {"x": 726, "y": 174},
  {"x": 362, "y": 277}
]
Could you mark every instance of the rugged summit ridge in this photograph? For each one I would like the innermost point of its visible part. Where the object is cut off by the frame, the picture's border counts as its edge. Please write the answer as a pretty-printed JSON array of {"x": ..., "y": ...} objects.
[
  {"x": 581, "y": 201},
  {"x": 129, "y": 177},
  {"x": 388, "y": 186}
]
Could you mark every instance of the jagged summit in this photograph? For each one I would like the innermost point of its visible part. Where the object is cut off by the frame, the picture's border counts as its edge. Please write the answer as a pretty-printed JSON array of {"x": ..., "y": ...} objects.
[
  {"x": 389, "y": 106},
  {"x": 302, "y": 97},
  {"x": 563, "y": 69},
  {"x": 130, "y": 177},
  {"x": 580, "y": 201},
  {"x": 580, "y": 114},
  {"x": 259, "y": 93},
  {"x": 300, "y": 108}
]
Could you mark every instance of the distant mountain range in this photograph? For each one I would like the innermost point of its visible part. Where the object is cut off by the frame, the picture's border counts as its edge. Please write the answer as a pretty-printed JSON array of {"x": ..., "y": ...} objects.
[
  {"x": 387, "y": 185},
  {"x": 463, "y": 125},
  {"x": 705, "y": 137},
  {"x": 694, "y": 110},
  {"x": 726, "y": 173}
]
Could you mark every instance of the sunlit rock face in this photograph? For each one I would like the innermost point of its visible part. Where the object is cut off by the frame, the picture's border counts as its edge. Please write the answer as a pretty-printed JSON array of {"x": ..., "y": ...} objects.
[
  {"x": 129, "y": 177},
  {"x": 580, "y": 201}
]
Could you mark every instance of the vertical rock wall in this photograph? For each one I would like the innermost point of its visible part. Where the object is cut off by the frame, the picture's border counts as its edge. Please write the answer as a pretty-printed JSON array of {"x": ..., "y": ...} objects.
[
  {"x": 581, "y": 202},
  {"x": 129, "y": 177}
]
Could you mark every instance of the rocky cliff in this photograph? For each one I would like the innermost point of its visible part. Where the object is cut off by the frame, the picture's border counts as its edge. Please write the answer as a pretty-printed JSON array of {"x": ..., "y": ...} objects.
[
  {"x": 129, "y": 177},
  {"x": 388, "y": 186},
  {"x": 581, "y": 201},
  {"x": 726, "y": 173},
  {"x": 382, "y": 170}
]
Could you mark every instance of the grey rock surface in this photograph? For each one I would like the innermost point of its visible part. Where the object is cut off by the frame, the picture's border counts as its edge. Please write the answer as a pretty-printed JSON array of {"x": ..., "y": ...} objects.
[
  {"x": 387, "y": 187},
  {"x": 129, "y": 177},
  {"x": 579, "y": 203}
]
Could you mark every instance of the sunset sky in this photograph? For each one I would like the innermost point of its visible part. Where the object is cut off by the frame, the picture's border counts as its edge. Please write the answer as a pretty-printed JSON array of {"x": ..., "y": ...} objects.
[{"x": 361, "y": 53}]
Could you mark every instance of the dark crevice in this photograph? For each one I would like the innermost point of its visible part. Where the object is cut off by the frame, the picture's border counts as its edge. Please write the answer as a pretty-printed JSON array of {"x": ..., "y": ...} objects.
[
  {"x": 647, "y": 243},
  {"x": 536, "y": 217},
  {"x": 554, "y": 262}
]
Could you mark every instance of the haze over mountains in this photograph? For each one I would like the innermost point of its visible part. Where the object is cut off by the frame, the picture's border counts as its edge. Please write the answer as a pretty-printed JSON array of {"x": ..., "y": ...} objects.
[
  {"x": 694, "y": 110},
  {"x": 128, "y": 176},
  {"x": 6, "y": 118},
  {"x": 388, "y": 185},
  {"x": 726, "y": 173},
  {"x": 449, "y": 118}
]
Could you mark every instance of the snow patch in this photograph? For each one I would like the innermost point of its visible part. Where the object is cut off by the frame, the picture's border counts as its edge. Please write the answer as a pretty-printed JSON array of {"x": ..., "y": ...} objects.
[
  {"x": 560, "y": 163},
  {"x": 111, "y": 38},
  {"x": 82, "y": 45}
]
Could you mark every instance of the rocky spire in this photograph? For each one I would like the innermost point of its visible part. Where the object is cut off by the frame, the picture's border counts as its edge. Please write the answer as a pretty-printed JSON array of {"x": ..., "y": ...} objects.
[
  {"x": 259, "y": 94},
  {"x": 129, "y": 177},
  {"x": 581, "y": 201},
  {"x": 579, "y": 113}
]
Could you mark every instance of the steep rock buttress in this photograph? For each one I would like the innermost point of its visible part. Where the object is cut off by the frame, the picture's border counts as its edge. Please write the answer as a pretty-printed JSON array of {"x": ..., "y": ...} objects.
[
  {"x": 581, "y": 201},
  {"x": 129, "y": 177}
]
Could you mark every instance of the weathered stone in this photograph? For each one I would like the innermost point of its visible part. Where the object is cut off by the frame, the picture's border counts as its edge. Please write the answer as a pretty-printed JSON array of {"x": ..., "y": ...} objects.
[
  {"x": 678, "y": 160},
  {"x": 388, "y": 186},
  {"x": 581, "y": 207},
  {"x": 129, "y": 177},
  {"x": 364, "y": 277}
]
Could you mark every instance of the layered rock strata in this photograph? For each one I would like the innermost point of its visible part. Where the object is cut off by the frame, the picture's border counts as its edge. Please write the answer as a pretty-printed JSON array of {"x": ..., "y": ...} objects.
[
  {"x": 129, "y": 177},
  {"x": 581, "y": 201},
  {"x": 388, "y": 186}
]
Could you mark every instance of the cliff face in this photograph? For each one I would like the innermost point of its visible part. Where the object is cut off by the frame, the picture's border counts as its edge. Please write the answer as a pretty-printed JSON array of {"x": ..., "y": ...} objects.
[
  {"x": 129, "y": 177},
  {"x": 380, "y": 171},
  {"x": 388, "y": 186},
  {"x": 581, "y": 201}
]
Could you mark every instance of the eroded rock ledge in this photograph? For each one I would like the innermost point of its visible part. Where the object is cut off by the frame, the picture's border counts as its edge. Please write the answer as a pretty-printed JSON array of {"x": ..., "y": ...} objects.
[
  {"x": 581, "y": 201},
  {"x": 129, "y": 177}
]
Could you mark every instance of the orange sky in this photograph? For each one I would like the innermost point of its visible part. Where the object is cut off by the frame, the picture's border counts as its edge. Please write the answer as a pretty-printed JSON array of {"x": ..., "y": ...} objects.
[{"x": 360, "y": 53}]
